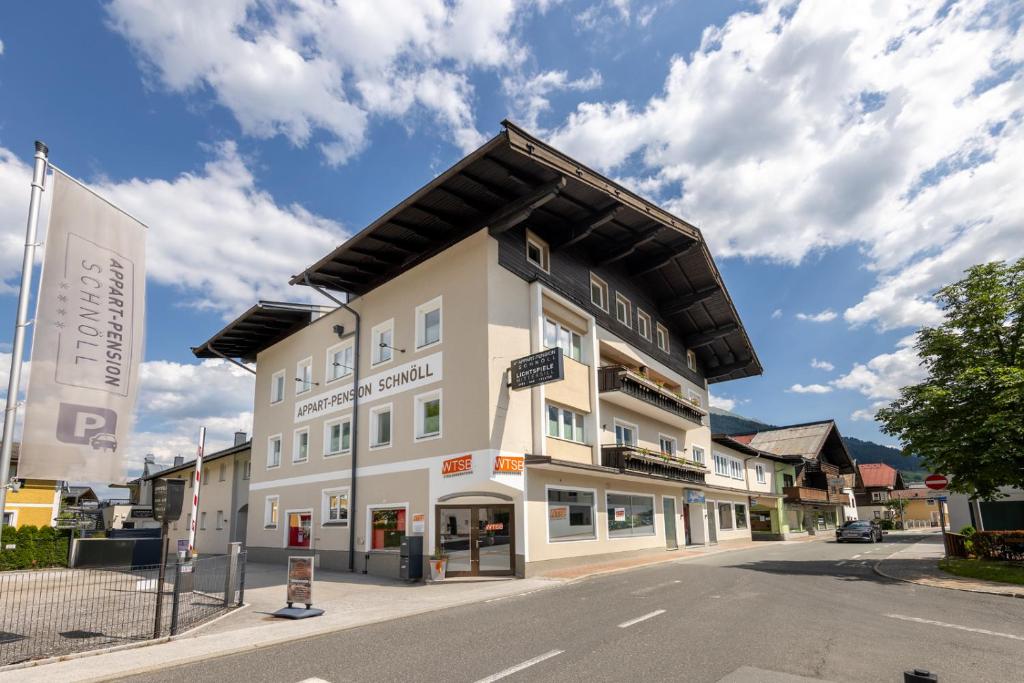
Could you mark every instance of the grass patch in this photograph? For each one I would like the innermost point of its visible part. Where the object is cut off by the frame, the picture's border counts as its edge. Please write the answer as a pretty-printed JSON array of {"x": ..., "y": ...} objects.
[{"x": 990, "y": 570}]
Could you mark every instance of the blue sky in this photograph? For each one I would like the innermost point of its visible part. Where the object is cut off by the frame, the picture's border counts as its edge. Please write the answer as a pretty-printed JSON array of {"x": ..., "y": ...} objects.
[{"x": 842, "y": 162}]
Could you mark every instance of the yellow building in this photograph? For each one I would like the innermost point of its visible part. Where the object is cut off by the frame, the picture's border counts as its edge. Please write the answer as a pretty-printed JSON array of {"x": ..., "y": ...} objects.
[
  {"x": 920, "y": 507},
  {"x": 36, "y": 503}
]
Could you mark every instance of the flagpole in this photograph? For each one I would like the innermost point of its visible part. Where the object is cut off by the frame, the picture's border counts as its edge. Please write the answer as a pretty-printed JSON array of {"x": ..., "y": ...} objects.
[{"x": 21, "y": 321}]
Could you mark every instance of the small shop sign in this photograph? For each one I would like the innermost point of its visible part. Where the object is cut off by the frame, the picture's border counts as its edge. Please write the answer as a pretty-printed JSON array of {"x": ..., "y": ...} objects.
[
  {"x": 508, "y": 464},
  {"x": 419, "y": 523},
  {"x": 453, "y": 467},
  {"x": 694, "y": 496},
  {"x": 168, "y": 495},
  {"x": 558, "y": 512},
  {"x": 141, "y": 513},
  {"x": 620, "y": 514},
  {"x": 494, "y": 526},
  {"x": 537, "y": 368},
  {"x": 300, "y": 579}
]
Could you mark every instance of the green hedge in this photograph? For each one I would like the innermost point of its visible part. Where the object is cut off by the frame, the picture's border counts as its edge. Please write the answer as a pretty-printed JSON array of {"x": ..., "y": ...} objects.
[
  {"x": 998, "y": 545},
  {"x": 34, "y": 547}
]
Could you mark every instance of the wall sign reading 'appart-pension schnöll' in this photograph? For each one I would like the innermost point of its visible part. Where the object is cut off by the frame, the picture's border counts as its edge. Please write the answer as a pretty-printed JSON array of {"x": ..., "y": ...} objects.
[{"x": 412, "y": 375}]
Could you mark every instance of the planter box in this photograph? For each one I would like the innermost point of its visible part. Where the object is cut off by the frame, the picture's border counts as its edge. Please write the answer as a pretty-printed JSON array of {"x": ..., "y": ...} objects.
[{"x": 437, "y": 569}]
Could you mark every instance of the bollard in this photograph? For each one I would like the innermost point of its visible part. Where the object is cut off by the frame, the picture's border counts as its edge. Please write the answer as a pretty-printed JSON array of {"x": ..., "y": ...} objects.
[
  {"x": 175, "y": 598},
  {"x": 229, "y": 573},
  {"x": 919, "y": 676},
  {"x": 241, "y": 583}
]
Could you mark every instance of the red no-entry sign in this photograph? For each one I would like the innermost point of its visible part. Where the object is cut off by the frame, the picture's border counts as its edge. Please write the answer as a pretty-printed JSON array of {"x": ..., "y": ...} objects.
[{"x": 936, "y": 481}]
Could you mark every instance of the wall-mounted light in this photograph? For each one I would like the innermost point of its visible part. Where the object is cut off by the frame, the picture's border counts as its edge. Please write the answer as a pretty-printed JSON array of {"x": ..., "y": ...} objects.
[
  {"x": 339, "y": 330},
  {"x": 389, "y": 346},
  {"x": 342, "y": 365},
  {"x": 299, "y": 379}
]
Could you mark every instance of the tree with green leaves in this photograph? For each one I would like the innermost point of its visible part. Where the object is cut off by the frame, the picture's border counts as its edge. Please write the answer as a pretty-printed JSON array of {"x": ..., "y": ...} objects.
[{"x": 966, "y": 419}]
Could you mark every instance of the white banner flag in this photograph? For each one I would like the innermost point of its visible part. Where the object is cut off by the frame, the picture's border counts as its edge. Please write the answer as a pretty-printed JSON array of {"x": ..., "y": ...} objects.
[{"x": 87, "y": 340}]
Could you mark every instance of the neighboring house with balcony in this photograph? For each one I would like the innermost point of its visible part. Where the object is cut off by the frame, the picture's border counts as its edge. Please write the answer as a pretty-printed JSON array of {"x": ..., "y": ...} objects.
[
  {"x": 820, "y": 497},
  {"x": 515, "y": 249},
  {"x": 875, "y": 485},
  {"x": 763, "y": 477}
]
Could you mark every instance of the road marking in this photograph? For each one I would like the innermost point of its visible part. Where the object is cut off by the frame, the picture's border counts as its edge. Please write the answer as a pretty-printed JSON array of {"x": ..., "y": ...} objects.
[
  {"x": 519, "y": 667},
  {"x": 857, "y": 556},
  {"x": 840, "y": 563},
  {"x": 627, "y": 624},
  {"x": 314, "y": 680},
  {"x": 517, "y": 595},
  {"x": 956, "y": 626}
]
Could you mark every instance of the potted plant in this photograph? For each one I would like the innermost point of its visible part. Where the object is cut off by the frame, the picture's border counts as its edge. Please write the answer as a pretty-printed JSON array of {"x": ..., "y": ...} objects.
[{"x": 438, "y": 564}]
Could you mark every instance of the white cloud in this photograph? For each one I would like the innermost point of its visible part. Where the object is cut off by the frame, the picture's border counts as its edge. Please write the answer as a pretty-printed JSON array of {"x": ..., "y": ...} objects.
[
  {"x": 776, "y": 314},
  {"x": 896, "y": 127},
  {"x": 867, "y": 414},
  {"x": 822, "y": 365},
  {"x": 883, "y": 376},
  {"x": 721, "y": 402},
  {"x": 1, "y": 47},
  {"x": 531, "y": 95},
  {"x": 200, "y": 224},
  {"x": 809, "y": 389},
  {"x": 307, "y": 67},
  {"x": 825, "y": 316}
]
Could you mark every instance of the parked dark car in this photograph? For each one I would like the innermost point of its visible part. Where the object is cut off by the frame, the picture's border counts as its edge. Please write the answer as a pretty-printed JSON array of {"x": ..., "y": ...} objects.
[{"x": 861, "y": 530}]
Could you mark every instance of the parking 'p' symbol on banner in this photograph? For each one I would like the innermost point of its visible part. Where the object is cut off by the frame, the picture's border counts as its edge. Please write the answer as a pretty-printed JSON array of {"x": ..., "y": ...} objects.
[{"x": 90, "y": 425}]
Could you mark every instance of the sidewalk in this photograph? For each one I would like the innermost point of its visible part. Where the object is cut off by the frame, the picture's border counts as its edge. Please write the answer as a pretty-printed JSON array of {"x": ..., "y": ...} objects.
[{"x": 918, "y": 563}]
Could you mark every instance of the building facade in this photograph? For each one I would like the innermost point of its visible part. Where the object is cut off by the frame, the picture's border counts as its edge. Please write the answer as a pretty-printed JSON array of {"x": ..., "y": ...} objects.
[
  {"x": 876, "y": 483},
  {"x": 395, "y": 413},
  {"x": 35, "y": 503},
  {"x": 763, "y": 477}
]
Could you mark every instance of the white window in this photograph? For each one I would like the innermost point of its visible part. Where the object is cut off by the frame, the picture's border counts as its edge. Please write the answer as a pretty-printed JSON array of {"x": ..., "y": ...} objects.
[
  {"x": 598, "y": 292},
  {"x": 661, "y": 336},
  {"x": 222, "y": 472},
  {"x": 277, "y": 387},
  {"x": 537, "y": 252},
  {"x": 691, "y": 360},
  {"x": 721, "y": 465},
  {"x": 383, "y": 339},
  {"x": 202, "y": 521},
  {"x": 338, "y": 436},
  {"x": 623, "y": 310},
  {"x": 571, "y": 515},
  {"x": 270, "y": 512},
  {"x": 274, "y": 451},
  {"x": 565, "y": 424},
  {"x": 694, "y": 397},
  {"x": 220, "y": 519},
  {"x": 247, "y": 469},
  {"x": 303, "y": 376},
  {"x": 428, "y": 323},
  {"x": 698, "y": 454},
  {"x": 668, "y": 445},
  {"x": 380, "y": 426},
  {"x": 759, "y": 470},
  {"x": 556, "y": 334},
  {"x": 340, "y": 361},
  {"x": 335, "y": 507},
  {"x": 300, "y": 449},
  {"x": 643, "y": 324},
  {"x": 625, "y": 434},
  {"x": 735, "y": 469},
  {"x": 428, "y": 415}
]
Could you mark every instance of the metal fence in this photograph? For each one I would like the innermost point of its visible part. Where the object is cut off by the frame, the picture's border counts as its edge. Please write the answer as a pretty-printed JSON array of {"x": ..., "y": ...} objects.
[{"x": 60, "y": 611}]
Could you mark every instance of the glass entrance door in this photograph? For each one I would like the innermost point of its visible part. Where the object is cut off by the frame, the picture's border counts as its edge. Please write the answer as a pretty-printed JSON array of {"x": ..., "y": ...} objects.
[
  {"x": 478, "y": 540},
  {"x": 669, "y": 504},
  {"x": 299, "y": 529}
]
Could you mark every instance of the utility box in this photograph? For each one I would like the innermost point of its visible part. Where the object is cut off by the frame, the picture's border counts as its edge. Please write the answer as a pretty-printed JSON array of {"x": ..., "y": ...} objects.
[{"x": 410, "y": 564}]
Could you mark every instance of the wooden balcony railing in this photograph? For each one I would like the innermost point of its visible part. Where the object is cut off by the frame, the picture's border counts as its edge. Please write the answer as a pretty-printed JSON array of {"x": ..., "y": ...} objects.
[
  {"x": 804, "y": 494},
  {"x": 632, "y": 460},
  {"x": 620, "y": 378}
]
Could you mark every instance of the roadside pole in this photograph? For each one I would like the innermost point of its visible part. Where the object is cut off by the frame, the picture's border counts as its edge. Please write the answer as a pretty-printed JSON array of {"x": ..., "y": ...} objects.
[{"x": 164, "y": 540}]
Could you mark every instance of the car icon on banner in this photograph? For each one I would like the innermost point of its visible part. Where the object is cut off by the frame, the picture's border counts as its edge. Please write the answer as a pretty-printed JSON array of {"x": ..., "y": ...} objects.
[{"x": 104, "y": 442}]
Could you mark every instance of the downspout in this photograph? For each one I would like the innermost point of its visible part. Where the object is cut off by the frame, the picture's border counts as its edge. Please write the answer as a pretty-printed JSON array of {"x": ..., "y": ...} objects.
[{"x": 355, "y": 423}]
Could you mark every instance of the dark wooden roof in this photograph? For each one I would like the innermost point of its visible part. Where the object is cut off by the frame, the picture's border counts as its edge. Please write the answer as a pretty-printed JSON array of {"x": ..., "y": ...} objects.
[
  {"x": 515, "y": 176},
  {"x": 262, "y": 326}
]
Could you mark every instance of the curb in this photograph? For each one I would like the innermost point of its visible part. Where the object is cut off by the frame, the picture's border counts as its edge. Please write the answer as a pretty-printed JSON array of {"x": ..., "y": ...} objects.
[{"x": 878, "y": 570}]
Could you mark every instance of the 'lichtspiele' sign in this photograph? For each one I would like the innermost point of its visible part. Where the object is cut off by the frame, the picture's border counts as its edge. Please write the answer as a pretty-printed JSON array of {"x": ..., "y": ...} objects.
[
  {"x": 87, "y": 340},
  {"x": 412, "y": 375},
  {"x": 537, "y": 368}
]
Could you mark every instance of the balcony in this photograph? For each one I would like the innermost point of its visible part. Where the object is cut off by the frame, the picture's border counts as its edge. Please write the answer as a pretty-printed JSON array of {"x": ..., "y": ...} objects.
[
  {"x": 629, "y": 389},
  {"x": 805, "y": 494},
  {"x": 633, "y": 460}
]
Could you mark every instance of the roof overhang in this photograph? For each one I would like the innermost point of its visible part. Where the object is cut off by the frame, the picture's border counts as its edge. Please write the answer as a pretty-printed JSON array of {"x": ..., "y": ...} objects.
[
  {"x": 514, "y": 178},
  {"x": 260, "y": 327}
]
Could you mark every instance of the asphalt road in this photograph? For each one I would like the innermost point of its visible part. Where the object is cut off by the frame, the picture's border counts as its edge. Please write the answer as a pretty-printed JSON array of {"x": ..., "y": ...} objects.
[{"x": 815, "y": 610}]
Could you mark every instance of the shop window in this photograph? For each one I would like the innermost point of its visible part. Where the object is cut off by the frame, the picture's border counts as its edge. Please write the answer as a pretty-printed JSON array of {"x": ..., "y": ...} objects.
[
  {"x": 428, "y": 323},
  {"x": 643, "y": 324},
  {"x": 383, "y": 339},
  {"x": 277, "y": 387},
  {"x": 571, "y": 515},
  {"x": 623, "y": 310},
  {"x": 668, "y": 445},
  {"x": 428, "y": 415},
  {"x": 565, "y": 424},
  {"x": 691, "y": 360},
  {"x": 300, "y": 452},
  {"x": 661, "y": 336},
  {"x": 380, "y": 426},
  {"x": 598, "y": 292},
  {"x": 303, "y": 376},
  {"x": 388, "y": 528},
  {"x": 741, "y": 515},
  {"x": 335, "y": 507},
  {"x": 759, "y": 470},
  {"x": 274, "y": 451},
  {"x": 698, "y": 454},
  {"x": 625, "y": 434},
  {"x": 340, "y": 361},
  {"x": 558, "y": 335},
  {"x": 338, "y": 436},
  {"x": 630, "y": 515},
  {"x": 537, "y": 252},
  {"x": 270, "y": 512},
  {"x": 725, "y": 515}
]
